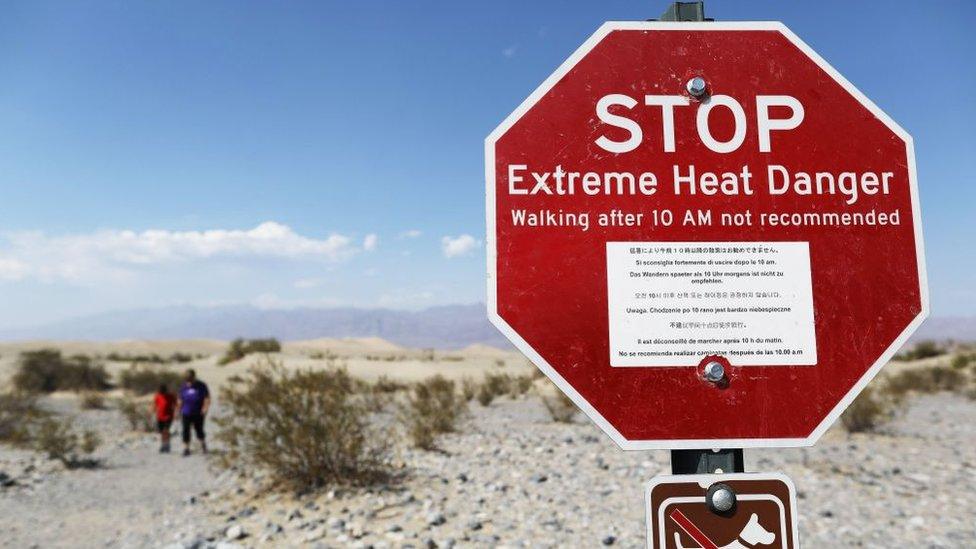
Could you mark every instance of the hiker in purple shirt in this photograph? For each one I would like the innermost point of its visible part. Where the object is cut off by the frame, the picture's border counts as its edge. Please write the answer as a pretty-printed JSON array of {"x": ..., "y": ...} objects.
[{"x": 194, "y": 402}]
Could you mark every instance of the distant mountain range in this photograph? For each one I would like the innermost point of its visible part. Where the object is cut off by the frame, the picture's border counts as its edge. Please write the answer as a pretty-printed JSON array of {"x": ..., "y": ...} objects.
[
  {"x": 942, "y": 328},
  {"x": 445, "y": 327}
]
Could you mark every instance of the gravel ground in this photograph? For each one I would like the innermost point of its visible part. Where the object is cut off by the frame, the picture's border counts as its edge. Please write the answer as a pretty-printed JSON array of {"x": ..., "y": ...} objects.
[
  {"x": 135, "y": 498},
  {"x": 511, "y": 478}
]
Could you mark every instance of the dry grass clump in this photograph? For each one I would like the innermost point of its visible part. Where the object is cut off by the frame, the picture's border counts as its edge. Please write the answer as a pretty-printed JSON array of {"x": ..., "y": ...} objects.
[
  {"x": 561, "y": 408},
  {"x": 385, "y": 385},
  {"x": 931, "y": 379},
  {"x": 469, "y": 389},
  {"x": 58, "y": 440},
  {"x": 136, "y": 413},
  {"x": 152, "y": 358},
  {"x": 868, "y": 412},
  {"x": 496, "y": 385},
  {"x": 91, "y": 400},
  {"x": 432, "y": 407},
  {"x": 922, "y": 349},
  {"x": 963, "y": 361},
  {"x": 239, "y": 348},
  {"x": 18, "y": 412},
  {"x": 143, "y": 380},
  {"x": 886, "y": 397},
  {"x": 307, "y": 429},
  {"x": 46, "y": 371}
]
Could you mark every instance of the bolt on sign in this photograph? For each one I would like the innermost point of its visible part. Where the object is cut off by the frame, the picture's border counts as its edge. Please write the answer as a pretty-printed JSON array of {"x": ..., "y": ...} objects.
[
  {"x": 731, "y": 511},
  {"x": 704, "y": 235}
]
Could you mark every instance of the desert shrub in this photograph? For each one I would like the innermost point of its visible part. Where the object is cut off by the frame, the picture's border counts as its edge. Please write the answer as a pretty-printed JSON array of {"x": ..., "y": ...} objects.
[
  {"x": 46, "y": 371},
  {"x": 469, "y": 389},
  {"x": 561, "y": 408},
  {"x": 931, "y": 379},
  {"x": 922, "y": 349},
  {"x": 868, "y": 412},
  {"x": 485, "y": 395},
  {"x": 386, "y": 385},
  {"x": 152, "y": 358},
  {"x": 520, "y": 385},
  {"x": 90, "y": 441},
  {"x": 307, "y": 429},
  {"x": 498, "y": 384},
  {"x": 58, "y": 440},
  {"x": 239, "y": 348},
  {"x": 136, "y": 414},
  {"x": 432, "y": 407},
  {"x": 143, "y": 380},
  {"x": 92, "y": 401},
  {"x": 962, "y": 361},
  {"x": 18, "y": 411}
]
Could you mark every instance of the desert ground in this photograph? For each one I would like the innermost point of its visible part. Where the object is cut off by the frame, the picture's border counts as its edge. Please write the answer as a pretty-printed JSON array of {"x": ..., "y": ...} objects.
[{"x": 509, "y": 476}]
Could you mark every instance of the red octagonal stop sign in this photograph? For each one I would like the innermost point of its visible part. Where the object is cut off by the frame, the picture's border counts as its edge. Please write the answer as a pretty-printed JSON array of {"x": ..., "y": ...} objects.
[{"x": 678, "y": 196}]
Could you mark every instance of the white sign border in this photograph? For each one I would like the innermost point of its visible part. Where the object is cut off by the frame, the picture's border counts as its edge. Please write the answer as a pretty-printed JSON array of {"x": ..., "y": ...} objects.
[{"x": 552, "y": 374}]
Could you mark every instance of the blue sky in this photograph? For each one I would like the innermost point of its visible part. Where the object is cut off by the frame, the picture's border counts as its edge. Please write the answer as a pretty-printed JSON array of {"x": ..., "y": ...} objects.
[{"x": 330, "y": 153}]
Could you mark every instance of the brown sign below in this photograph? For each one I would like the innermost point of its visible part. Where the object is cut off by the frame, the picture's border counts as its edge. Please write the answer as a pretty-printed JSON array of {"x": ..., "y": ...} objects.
[{"x": 763, "y": 516}]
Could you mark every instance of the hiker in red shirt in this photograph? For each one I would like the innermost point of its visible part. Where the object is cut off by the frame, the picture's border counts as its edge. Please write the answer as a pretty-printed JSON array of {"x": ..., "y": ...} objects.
[{"x": 163, "y": 406}]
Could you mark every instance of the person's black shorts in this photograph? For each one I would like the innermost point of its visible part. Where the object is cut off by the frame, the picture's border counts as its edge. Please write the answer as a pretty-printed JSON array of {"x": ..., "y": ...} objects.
[
  {"x": 197, "y": 422},
  {"x": 163, "y": 425}
]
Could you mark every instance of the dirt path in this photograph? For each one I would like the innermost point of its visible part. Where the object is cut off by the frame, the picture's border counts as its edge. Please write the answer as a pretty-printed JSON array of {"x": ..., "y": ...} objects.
[{"x": 137, "y": 498}]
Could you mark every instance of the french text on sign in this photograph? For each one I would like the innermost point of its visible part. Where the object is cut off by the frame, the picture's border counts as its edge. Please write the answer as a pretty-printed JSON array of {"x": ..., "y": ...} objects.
[{"x": 673, "y": 303}]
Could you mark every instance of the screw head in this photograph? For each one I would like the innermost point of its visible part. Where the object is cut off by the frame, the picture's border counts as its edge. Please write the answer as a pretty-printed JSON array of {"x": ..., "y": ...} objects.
[
  {"x": 714, "y": 372},
  {"x": 696, "y": 86},
  {"x": 721, "y": 498}
]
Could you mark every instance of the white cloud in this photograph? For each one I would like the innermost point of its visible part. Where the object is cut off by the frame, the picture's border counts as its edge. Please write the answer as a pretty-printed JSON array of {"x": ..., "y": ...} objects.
[
  {"x": 410, "y": 234},
  {"x": 510, "y": 51},
  {"x": 113, "y": 254},
  {"x": 458, "y": 246},
  {"x": 12, "y": 269},
  {"x": 370, "y": 242},
  {"x": 306, "y": 283}
]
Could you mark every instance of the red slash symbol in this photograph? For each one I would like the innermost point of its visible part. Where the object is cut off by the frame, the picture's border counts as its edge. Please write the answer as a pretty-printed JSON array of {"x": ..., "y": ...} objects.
[{"x": 692, "y": 530}]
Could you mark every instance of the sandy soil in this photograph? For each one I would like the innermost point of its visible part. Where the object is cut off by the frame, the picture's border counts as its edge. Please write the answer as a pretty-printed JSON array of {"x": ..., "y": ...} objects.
[{"x": 509, "y": 478}]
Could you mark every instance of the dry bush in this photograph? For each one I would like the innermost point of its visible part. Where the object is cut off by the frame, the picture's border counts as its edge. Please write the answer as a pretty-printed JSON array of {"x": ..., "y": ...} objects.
[
  {"x": 386, "y": 385},
  {"x": 432, "y": 407},
  {"x": 239, "y": 348},
  {"x": 931, "y": 379},
  {"x": 499, "y": 384},
  {"x": 18, "y": 412},
  {"x": 136, "y": 413},
  {"x": 485, "y": 395},
  {"x": 469, "y": 389},
  {"x": 922, "y": 349},
  {"x": 144, "y": 380},
  {"x": 153, "y": 358},
  {"x": 58, "y": 440},
  {"x": 307, "y": 429},
  {"x": 962, "y": 361},
  {"x": 519, "y": 386},
  {"x": 868, "y": 412},
  {"x": 92, "y": 401},
  {"x": 561, "y": 408},
  {"x": 46, "y": 371}
]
